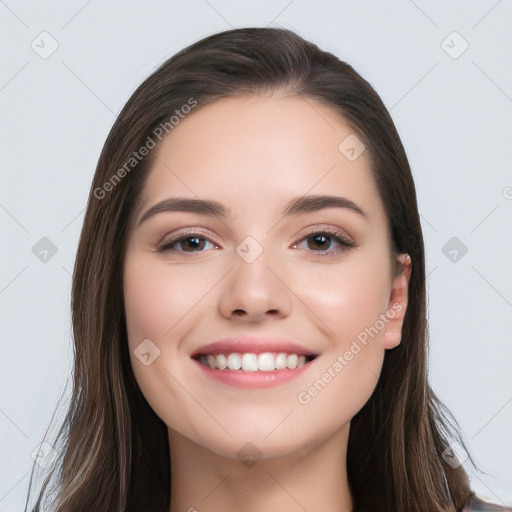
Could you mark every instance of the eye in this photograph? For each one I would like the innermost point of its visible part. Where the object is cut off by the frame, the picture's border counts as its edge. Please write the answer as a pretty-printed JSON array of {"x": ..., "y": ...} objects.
[
  {"x": 189, "y": 242},
  {"x": 322, "y": 240}
]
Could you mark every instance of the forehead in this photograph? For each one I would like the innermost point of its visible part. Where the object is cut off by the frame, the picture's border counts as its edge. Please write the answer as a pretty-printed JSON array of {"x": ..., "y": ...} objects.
[{"x": 260, "y": 149}]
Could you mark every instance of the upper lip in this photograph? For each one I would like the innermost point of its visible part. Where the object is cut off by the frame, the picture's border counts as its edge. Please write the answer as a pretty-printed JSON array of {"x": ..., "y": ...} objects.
[{"x": 251, "y": 344}]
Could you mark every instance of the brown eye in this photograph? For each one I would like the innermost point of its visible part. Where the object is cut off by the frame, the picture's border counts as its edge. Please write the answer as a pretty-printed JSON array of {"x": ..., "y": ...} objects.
[
  {"x": 321, "y": 241},
  {"x": 194, "y": 243},
  {"x": 188, "y": 243}
]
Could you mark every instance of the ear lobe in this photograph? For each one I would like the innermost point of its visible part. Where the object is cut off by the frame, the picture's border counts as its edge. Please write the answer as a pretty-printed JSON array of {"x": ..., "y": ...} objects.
[{"x": 397, "y": 305}]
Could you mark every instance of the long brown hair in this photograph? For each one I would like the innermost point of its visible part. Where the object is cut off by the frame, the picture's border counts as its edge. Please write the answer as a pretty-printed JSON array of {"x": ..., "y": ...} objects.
[{"x": 113, "y": 449}]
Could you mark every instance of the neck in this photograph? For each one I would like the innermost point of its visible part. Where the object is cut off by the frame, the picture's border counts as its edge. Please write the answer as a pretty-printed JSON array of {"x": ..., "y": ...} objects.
[{"x": 312, "y": 478}]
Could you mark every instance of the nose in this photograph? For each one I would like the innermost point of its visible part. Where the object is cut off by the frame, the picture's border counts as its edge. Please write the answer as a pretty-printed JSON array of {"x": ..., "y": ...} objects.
[{"x": 254, "y": 291}]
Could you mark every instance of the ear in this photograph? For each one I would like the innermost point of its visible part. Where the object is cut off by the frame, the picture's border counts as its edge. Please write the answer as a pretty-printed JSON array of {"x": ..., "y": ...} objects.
[{"x": 397, "y": 305}]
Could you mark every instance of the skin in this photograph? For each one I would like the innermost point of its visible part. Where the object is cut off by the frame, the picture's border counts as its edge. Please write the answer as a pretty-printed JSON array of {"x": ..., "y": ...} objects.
[{"x": 254, "y": 154}]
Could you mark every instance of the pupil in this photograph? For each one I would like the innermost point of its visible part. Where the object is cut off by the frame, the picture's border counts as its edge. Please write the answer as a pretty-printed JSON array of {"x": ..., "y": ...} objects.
[
  {"x": 195, "y": 244},
  {"x": 317, "y": 237}
]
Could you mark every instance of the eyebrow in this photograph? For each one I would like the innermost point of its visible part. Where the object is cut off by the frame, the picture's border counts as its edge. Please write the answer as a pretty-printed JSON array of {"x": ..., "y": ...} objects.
[{"x": 296, "y": 206}]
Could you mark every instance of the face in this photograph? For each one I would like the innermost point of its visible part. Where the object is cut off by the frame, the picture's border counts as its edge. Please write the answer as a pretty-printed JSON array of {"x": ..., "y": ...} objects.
[{"x": 317, "y": 281}]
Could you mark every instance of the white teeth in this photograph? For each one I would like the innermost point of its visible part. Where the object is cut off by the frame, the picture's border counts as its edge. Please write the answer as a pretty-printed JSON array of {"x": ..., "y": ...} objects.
[
  {"x": 222, "y": 362},
  {"x": 281, "y": 361},
  {"x": 250, "y": 362},
  {"x": 291, "y": 361},
  {"x": 266, "y": 362},
  {"x": 234, "y": 362}
]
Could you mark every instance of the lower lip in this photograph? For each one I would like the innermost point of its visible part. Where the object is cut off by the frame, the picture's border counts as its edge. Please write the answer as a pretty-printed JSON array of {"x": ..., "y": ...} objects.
[{"x": 257, "y": 379}]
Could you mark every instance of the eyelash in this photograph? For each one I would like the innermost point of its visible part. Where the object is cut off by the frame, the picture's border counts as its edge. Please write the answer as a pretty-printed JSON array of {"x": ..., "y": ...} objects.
[{"x": 334, "y": 233}]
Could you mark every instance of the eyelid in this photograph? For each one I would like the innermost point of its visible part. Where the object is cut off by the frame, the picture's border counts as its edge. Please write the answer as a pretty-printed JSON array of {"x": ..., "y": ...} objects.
[
  {"x": 175, "y": 237},
  {"x": 327, "y": 228},
  {"x": 345, "y": 241}
]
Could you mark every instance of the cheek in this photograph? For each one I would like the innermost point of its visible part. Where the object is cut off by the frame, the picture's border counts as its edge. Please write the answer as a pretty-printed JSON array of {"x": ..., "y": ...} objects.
[
  {"x": 155, "y": 299},
  {"x": 162, "y": 303},
  {"x": 347, "y": 297},
  {"x": 351, "y": 300},
  {"x": 345, "y": 377},
  {"x": 154, "y": 304}
]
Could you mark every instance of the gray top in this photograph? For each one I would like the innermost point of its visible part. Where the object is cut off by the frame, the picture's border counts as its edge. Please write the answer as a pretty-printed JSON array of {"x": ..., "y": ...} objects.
[{"x": 475, "y": 504}]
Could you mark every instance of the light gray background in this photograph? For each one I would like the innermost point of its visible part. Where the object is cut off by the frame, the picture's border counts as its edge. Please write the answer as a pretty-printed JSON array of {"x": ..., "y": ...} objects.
[{"x": 454, "y": 116}]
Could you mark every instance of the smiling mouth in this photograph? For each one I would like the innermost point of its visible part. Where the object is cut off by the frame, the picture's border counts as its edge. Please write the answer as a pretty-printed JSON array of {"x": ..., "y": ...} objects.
[{"x": 252, "y": 362}]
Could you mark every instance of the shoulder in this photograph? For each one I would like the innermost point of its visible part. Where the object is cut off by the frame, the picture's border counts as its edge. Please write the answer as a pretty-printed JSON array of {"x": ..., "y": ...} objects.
[{"x": 476, "y": 504}]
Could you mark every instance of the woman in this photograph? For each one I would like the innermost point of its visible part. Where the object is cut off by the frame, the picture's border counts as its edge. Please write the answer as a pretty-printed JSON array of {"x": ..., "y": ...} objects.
[{"x": 249, "y": 305}]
